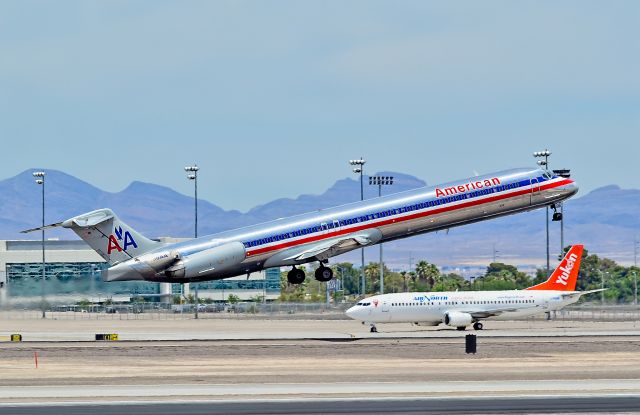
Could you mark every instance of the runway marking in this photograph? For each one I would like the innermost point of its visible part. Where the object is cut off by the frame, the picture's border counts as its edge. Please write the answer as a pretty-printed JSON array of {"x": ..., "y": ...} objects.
[
  {"x": 451, "y": 334},
  {"x": 169, "y": 400},
  {"x": 550, "y": 386}
]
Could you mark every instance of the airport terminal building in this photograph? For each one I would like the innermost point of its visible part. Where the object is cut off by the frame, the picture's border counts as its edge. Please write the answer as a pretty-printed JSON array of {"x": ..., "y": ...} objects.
[{"x": 73, "y": 273}]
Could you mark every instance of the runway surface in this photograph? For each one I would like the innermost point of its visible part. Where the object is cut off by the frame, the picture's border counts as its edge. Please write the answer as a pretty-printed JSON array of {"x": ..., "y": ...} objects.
[
  {"x": 86, "y": 326},
  {"x": 606, "y": 404},
  {"x": 352, "y": 389},
  {"x": 316, "y": 366}
]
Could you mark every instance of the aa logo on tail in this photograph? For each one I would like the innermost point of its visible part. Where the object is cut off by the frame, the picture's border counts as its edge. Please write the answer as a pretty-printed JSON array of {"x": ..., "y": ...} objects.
[{"x": 126, "y": 239}]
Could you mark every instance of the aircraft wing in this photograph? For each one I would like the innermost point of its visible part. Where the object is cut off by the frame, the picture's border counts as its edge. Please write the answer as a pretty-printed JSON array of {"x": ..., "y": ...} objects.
[
  {"x": 327, "y": 249},
  {"x": 488, "y": 313}
]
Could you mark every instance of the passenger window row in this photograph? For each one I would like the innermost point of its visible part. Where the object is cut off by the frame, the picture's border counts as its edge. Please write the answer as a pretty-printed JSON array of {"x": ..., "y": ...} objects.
[
  {"x": 381, "y": 214},
  {"x": 464, "y": 302}
]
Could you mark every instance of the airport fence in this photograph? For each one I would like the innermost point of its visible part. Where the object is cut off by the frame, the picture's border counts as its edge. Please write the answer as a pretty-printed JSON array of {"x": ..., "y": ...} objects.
[
  {"x": 596, "y": 313},
  {"x": 158, "y": 311},
  {"x": 250, "y": 310}
]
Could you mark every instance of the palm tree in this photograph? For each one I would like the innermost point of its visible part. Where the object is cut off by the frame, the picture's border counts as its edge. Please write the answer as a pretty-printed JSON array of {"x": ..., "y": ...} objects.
[{"x": 427, "y": 273}]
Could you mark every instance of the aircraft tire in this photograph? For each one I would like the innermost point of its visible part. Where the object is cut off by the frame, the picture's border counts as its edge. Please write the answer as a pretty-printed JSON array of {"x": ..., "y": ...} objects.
[
  {"x": 324, "y": 274},
  {"x": 477, "y": 326},
  {"x": 296, "y": 276},
  {"x": 461, "y": 328}
]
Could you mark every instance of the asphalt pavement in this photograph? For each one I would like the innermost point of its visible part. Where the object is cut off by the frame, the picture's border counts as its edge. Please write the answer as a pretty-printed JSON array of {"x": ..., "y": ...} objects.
[{"x": 460, "y": 405}]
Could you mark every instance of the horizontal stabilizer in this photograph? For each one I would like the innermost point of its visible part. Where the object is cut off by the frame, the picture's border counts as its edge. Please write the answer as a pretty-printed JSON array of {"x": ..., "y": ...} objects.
[
  {"x": 51, "y": 226},
  {"x": 581, "y": 293},
  {"x": 103, "y": 231}
]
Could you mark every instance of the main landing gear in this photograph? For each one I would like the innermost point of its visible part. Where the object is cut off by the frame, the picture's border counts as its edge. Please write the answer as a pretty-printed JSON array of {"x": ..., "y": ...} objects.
[
  {"x": 324, "y": 274},
  {"x": 374, "y": 329},
  {"x": 477, "y": 325},
  {"x": 296, "y": 276}
]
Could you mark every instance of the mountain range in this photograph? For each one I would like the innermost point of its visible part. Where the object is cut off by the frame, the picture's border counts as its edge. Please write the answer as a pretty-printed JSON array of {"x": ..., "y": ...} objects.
[{"x": 606, "y": 220}]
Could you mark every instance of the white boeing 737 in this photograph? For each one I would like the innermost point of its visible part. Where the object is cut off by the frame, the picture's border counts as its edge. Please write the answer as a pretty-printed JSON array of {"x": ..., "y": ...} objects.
[{"x": 462, "y": 308}]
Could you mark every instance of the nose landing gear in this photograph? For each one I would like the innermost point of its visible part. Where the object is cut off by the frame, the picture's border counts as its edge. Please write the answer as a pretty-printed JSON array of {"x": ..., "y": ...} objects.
[{"x": 557, "y": 216}]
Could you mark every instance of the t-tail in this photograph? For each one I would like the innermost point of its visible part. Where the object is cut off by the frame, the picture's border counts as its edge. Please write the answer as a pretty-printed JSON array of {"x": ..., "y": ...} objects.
[
  {"x": 565, "y": 276},
  {"x": 113, "y": 239}
]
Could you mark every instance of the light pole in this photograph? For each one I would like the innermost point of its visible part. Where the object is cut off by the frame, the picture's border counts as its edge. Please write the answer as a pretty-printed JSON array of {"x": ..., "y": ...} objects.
[
  {"x": 545, "y": 164},
  {"x": 635, "y": 264},
  {"x": 635, "y": 288},
  {"x": 359, "y": 169},
  {"x": 39, "y": 175},
  {"x": 381, "y": 181},
  {"x": 192, "y": 174},
  {"x": 342, "y": 281},
  {"x": 406, "y": 288},
  {"x": 565, "y": 173},
  {"x": 602, "y": 287}
]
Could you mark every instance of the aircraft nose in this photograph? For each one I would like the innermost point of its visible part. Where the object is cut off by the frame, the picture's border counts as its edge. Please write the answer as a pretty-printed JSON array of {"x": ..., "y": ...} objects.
[
  {"x": 570, "y": 189},
  {"x": 351, "y": 313}
]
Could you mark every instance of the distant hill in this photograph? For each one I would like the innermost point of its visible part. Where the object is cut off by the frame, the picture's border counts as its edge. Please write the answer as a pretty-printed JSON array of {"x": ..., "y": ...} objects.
[
  {"x": 155, "y": 210},
  {"x": 606, "y": 219}
]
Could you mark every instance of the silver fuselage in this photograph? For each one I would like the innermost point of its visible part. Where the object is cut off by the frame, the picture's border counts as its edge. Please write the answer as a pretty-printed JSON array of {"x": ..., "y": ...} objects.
[{"x": 399, "y": 215}]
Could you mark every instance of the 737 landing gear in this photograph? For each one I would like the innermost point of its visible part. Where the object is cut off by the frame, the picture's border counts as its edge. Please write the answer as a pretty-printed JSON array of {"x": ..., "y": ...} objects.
[
  {"x": 296, "y": 276},
  {"x": 374, "y": 329},
  {"x": 324, "y": 274},
  {"x": 477, "y": 325}
]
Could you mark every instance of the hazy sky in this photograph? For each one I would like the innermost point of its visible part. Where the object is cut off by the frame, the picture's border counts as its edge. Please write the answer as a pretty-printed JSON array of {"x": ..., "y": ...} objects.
[{"x": 272, "y": 98}]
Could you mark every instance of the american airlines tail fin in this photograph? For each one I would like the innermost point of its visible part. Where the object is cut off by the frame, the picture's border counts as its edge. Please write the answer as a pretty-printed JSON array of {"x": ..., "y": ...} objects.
[
  {"x": 114, "y": 240},
  {"x": 565, "y": 276}
]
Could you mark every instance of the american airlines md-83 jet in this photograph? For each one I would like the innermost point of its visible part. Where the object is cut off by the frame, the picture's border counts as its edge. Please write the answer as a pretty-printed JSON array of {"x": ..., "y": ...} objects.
[
  {"x": 461, "y": 308},
  {"x": 315, "y": 236}
]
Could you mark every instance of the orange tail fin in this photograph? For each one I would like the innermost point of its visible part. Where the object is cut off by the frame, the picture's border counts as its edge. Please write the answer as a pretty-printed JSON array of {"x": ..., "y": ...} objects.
[{"x": 564, "y": 277}]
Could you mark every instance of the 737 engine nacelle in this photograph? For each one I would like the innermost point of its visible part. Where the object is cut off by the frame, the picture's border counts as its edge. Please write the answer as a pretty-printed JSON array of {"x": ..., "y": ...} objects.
[
  {"x": 457, "y": 319},
  {"x": 208, "y": 263}
]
